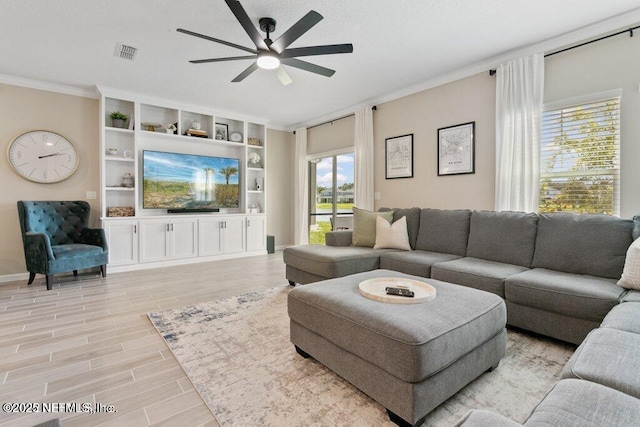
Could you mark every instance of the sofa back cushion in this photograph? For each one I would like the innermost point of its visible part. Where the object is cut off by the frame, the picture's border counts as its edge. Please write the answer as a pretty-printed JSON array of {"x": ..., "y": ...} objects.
[
  {"x": 507, "y": 237},
  {"x": 583, "y": 244},
  {"x": 445, "y": 231},
  {"x": 413, "y": 221}
]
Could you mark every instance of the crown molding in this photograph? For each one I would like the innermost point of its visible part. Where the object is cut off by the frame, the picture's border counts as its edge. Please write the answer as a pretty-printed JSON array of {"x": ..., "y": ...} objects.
[
  {"x": 49, "y": 87},
  {"x": 598, "y": 29}
]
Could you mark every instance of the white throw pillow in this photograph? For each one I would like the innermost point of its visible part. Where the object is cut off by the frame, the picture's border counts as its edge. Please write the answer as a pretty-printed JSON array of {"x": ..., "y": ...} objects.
[
  {"x": 392, "y": 236},
  {"x": 631, "y": 273}
]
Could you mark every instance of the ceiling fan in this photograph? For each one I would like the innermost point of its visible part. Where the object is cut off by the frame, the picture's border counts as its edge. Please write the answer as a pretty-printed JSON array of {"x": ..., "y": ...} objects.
[{"x": 271, "y": 55}]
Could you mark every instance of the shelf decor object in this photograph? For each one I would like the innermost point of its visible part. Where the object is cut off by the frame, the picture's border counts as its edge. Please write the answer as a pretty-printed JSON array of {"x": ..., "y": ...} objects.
[
  {"x": 399, "y": 157},
  {"x": 222, "y": 132},
  {"x": 456, "y": 149},
  {"x": 254, "y": 141}
]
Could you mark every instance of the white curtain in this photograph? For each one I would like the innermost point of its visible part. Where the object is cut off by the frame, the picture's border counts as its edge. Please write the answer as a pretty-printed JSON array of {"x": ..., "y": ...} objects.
[
  {"x": 519, "y": 92},
  {"x": 363, "y": 149},
  {"x": 301, "y": 189}
]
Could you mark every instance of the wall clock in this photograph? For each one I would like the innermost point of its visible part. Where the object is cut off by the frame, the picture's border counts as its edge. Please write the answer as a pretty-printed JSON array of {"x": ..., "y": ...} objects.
[
  {"x": 235, "y": 136},
  {"x": 43, "y": 156}
]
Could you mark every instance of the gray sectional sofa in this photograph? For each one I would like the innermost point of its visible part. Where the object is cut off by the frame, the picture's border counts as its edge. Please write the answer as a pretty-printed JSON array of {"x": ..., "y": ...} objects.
[
  {"x": 600, "y": 384},
  {"x": 557, "y": 272},
  {"x": 558, "y": 276}
]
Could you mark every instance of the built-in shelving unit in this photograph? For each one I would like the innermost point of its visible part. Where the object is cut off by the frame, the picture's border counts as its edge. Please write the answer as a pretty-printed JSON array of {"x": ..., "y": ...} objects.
[{"x": 194, "y": 131}]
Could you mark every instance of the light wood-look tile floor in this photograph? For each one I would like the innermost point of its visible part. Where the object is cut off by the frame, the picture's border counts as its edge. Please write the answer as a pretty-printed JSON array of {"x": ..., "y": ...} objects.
[{"x": 89, "y": 340}]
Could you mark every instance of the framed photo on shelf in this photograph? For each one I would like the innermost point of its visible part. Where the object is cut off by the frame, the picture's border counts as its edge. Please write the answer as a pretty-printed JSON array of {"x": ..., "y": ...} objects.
[
  {"x": 399, "y": 157},
  {"x": 456, "y": 149},
  {"x": 222, "y": 131}
]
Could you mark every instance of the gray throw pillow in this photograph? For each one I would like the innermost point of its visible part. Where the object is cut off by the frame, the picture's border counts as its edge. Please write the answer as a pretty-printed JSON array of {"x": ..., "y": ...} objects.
[{"x": 364, "y": 226}]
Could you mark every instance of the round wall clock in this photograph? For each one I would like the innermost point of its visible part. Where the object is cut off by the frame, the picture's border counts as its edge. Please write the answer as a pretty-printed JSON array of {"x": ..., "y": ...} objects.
[
  {"x": 235, "y": 136},
  {"x": 43, "y": 156}
]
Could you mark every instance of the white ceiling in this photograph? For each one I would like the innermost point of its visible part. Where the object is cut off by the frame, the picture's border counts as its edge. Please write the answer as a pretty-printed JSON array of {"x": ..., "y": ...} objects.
[{"x": 397, "y": 45}]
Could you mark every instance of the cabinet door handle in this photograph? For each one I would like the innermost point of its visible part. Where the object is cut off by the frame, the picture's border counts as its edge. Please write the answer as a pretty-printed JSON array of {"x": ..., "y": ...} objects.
[
  {"x": 248, "y": 223},
  {"x": 225, "y": 224},
  {"x": 171, "y": 227},
  {"x": 135, "y": 229},
  {"x": 167, "y": 227}
]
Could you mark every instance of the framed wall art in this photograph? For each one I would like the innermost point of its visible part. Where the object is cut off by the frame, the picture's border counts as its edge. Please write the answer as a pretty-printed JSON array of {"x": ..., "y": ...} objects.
[
  {"x": 456, "y": 149},
  {"x": 399, "y": 156}
]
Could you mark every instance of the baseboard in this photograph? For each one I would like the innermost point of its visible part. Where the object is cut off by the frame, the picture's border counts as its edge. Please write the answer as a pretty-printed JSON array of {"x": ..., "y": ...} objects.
[{"x": 14, "y": 277}]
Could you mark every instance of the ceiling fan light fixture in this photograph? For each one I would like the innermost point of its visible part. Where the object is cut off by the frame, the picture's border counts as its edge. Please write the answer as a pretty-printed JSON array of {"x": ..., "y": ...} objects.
[{"x": 268, "y": 60}]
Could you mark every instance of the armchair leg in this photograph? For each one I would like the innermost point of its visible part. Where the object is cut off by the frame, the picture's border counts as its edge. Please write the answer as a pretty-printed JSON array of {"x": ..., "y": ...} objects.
[
  {"x": 49, "y": 281},
  {"x": 103, "y": 270},
  {"x": 75, "y": 273},
  {"x": 31, "y": 277}
]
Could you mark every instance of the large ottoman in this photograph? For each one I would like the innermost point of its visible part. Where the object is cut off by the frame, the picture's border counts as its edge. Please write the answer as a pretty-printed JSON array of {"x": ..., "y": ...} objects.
[{"x": 408, "y": 357}]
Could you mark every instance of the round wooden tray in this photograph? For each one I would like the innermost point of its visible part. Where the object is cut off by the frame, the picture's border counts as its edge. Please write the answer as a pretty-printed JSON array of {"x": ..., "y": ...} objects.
[{"x": 375, "y": 289}]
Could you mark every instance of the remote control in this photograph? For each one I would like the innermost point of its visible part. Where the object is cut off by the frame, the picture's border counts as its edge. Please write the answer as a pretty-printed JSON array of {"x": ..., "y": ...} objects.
[{"x": 400, "y": 292}]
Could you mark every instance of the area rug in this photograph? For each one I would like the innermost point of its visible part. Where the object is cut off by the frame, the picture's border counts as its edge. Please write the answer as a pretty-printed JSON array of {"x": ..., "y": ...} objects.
[{"x": 237, "y": 353}]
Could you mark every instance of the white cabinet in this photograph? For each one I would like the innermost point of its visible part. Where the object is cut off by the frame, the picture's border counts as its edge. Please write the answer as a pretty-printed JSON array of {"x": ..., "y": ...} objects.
[
  {"x": 221, "y": 235},
  {"x": 122, "y": 238},
  {"x": 164, "y": 239},
  {"x": 152, "y": 235},
  {"x": 256, "y": 233}
]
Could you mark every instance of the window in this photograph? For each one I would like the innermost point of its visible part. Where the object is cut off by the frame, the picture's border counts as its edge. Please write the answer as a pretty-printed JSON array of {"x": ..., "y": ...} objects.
[
  {"x": 331, "y": 192},
  {"x": 580, "y": 158}
]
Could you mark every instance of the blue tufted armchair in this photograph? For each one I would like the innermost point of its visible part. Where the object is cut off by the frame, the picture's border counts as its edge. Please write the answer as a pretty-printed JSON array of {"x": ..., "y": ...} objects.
[{"x": 56, "y": 239}]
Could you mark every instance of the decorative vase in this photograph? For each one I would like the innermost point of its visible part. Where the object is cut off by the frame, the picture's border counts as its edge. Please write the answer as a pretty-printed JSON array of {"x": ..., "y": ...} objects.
[{"x": 118, "y": 123}]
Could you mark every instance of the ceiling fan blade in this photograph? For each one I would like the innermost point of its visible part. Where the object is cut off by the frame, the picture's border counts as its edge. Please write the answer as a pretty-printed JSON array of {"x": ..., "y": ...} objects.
[
  {"x": 317, "y": 50},
  {"x": 202, "y": 36},
  {"x": 307, "y": 66},
  {"x": 250, "y": 69},
  {"x": 245, "y": 21},
  {"x": 283, "y": 76},
  {"x": 230, "y": 58},
  {"x": 299, "y": 28}
]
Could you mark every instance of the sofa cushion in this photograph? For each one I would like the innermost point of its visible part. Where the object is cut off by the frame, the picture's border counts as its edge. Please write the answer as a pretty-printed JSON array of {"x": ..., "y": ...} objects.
[
  {"x": 415, "y": 262},
  {"x": 392, "y": 236},
  {"x": 364, "y": 226},
  {"x": 476, "y": 273},
  {"x": 583, "y": 244},
  {"x": 631, "y": 296},
  {"x": 331, "y": 261},
  {"x": 445, "y": 231},
  {"x": 507, "y": 237},
  {"x": 581, "y": 403},
  {"x": 585, "y": 297},
  {"x": 484, "y": 418},
  {"x": 608, "y": 357},
  {"x": 75, "y": 250},
  {"x": 631, "y": 272},
  {"x": 413, "y": 221},
  {"x": 624, "y": 317}
]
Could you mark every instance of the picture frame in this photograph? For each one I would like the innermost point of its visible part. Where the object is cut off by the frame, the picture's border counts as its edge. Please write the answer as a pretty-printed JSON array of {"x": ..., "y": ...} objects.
[
  {"x": 222, "y": 132},
  {"x": 456, "y": 149},
  {"x": 399, "y": 157}
]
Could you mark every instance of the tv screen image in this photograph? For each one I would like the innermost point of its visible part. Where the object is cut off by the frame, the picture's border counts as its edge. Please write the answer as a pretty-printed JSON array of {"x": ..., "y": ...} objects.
[{"x": 189, "y": 181}]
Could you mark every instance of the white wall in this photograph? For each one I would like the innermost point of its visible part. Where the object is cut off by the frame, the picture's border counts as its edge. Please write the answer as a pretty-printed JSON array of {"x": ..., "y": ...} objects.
[
  {"x": 279, "y": 186},
  {"x": 609, "y": 64}
]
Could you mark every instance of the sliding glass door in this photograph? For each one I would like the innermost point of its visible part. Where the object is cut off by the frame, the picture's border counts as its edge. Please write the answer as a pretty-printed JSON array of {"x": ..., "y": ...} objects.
[{"x": 331, "y": 195}]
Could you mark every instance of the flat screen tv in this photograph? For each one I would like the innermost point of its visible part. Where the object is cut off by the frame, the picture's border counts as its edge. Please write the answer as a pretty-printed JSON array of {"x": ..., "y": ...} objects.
[{"x": 183, "y": 182}]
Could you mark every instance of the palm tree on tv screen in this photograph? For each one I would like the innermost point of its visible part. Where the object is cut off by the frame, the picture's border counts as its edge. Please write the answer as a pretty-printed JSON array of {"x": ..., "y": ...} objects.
[{"x": 228, "y": 172}]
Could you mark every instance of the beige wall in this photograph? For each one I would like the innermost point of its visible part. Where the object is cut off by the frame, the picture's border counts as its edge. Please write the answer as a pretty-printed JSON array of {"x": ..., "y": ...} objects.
[
  {"x": 76, "y": 118},
  {"x": 279, "y": 186},
  {"x": 466, "y": 100},
  {"x": 609, "y": 64},
  {"x": 332, "y": 136}
]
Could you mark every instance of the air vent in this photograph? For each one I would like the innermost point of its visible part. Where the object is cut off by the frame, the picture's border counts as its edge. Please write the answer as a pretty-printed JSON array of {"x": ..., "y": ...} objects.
[{"x": 126, "y": 52}]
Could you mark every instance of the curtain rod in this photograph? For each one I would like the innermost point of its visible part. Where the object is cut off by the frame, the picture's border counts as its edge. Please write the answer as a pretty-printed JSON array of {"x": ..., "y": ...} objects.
[
  {"x": 335, "y": 120},
  {"x": 630, "y": 31}
]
